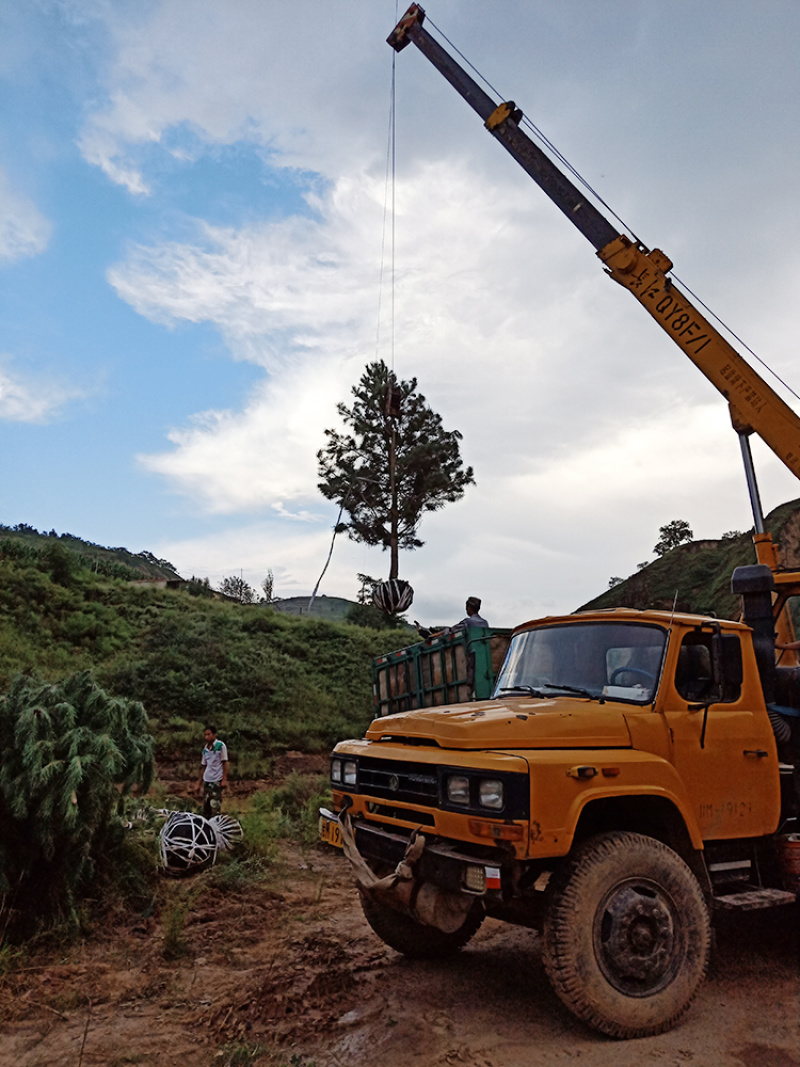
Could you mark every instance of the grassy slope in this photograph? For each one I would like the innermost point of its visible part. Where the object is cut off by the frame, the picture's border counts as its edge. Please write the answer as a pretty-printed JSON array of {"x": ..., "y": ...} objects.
[
  {"x": 95, "y": 557},
  {"x": 696, "y": 576},
  {"x": 268, "y": 681}
]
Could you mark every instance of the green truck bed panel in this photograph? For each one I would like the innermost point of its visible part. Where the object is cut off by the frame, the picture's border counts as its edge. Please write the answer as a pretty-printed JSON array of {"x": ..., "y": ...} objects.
[{"x": 444, "y": 669}]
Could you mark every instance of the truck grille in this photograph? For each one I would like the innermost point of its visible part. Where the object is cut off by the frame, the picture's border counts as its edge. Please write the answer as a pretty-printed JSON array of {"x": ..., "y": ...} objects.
[
  {"x": 420, "y": 785},
  {"x": 414, "y": 783}
]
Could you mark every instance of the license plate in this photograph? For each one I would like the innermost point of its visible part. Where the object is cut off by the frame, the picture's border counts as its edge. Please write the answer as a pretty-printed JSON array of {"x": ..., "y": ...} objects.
[{"x": 329, "y": 831}]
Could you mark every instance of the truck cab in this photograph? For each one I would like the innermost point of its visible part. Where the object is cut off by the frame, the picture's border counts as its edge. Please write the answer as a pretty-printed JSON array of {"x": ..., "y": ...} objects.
[{"x": 621, "y": 783}]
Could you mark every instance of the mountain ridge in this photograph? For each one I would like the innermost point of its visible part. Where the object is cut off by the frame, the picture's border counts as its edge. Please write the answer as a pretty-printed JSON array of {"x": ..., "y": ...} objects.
[
  {"x": 695, "y": 576},
  {"x": 92, "y": 554}
]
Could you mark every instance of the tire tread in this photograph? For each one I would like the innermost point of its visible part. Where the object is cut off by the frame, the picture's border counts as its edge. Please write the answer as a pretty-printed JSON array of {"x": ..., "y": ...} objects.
[{"x": 568, "y": 899}]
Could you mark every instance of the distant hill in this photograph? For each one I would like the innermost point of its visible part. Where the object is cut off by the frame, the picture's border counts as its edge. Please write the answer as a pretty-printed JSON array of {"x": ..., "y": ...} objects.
[
  {"x": 133, "y": 566},
  {"x": 95, "y": 557},
  {"x": 333, "y": 608},
  {"x": 696, "y": 577},
  {"x": 338, "y": 609}
]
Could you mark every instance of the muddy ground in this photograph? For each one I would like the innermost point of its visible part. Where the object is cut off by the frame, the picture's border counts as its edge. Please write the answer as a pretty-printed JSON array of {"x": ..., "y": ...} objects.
[{"x": 289, "y": 974}]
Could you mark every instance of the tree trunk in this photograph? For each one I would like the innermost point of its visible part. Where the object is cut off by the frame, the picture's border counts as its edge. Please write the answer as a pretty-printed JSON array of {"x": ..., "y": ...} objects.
[{"x": 394, "y": 537}]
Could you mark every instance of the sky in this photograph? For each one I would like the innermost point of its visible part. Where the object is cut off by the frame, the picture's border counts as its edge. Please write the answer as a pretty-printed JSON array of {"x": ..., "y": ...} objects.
[{"x": 202, "y": 246}]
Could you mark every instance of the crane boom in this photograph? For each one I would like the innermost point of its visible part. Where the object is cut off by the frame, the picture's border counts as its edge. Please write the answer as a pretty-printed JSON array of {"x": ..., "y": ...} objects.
[{"x": 754, "y": 406}]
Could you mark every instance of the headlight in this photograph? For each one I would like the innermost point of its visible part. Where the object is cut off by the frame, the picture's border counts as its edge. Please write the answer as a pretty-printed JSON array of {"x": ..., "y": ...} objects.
[
  {"x": 349, "y": 772},
  {"x": 490, "y": 794},
  {"x": 458, "y": 789},
  {"x": 336, "y": 770}
]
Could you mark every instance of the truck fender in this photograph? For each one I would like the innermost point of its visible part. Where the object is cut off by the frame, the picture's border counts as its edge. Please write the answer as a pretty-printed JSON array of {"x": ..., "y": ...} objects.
[{"x": 609, "y": 808}]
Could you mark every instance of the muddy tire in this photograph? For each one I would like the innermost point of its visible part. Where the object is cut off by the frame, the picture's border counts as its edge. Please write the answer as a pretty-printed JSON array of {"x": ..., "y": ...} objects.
[
  {"x": 626, "y": 935},
  {"x": 415, "y": 939}
]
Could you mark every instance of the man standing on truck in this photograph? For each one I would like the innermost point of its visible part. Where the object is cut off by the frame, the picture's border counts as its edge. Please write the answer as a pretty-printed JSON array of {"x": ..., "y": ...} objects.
[
  {"x": 213, "y": 772},
  {"x": 472, "y": 620},
  {"x": 473, "y": 616}
]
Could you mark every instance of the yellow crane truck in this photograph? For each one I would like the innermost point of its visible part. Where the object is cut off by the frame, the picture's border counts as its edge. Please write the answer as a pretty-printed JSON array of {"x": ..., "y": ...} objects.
[{"x": 632, "y": 772}]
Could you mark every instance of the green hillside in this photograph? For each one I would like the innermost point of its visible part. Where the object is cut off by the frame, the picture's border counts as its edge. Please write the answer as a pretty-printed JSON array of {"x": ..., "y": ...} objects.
[
  {"x": 338, "y": 609},
  {"x": 696, "y": 577},
  {"x": 93, "y": 557},
  {"x": 267, "y": 680}
]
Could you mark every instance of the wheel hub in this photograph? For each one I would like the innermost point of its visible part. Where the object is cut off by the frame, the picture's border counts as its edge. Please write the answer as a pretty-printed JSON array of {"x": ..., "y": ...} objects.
[{"x": 636, "y": 939}]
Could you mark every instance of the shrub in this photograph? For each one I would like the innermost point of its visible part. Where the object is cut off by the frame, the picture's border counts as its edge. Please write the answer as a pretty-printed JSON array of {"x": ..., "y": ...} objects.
[
  {"x": 174, "y": 913},
  {"x": 294, "y": 806},
  {"x": 70, "y": 753}
]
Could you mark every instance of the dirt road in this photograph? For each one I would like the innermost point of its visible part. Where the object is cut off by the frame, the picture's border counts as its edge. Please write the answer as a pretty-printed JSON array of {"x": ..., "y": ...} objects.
[{"x": 290, "y": 975}]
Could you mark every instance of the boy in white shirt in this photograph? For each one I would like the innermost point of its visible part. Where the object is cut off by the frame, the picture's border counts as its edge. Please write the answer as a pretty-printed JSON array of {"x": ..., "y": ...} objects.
[{"x": 213, "y": 772}]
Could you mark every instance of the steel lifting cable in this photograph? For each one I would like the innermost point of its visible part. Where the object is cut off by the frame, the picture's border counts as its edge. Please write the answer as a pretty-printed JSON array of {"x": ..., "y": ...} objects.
[
  {"x": 551, "y": 148},
  {"x": 388, "y": 195},
  {"x": 393, "y": 139}
]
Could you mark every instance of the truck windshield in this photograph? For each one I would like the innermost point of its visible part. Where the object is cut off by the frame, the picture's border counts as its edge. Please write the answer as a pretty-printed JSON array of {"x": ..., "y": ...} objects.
[{"x": 615, "y": 660}]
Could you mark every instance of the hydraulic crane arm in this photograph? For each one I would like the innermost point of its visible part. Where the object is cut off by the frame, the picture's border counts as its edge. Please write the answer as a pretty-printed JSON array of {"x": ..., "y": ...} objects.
[
  {"x": 502, "y": 122},
  {"x": 755, "y": 407}
]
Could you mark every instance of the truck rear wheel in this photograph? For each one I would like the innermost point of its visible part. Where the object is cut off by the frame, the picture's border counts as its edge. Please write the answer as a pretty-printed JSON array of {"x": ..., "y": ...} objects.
[
  {"x": 626, "y": 935},
  {"x": 416, "y": 939}
]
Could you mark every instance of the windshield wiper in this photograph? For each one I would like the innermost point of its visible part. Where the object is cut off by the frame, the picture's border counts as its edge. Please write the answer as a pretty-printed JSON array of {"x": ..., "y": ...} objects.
[
  {"x": 521, "y": 689},
  {"x": 529, "y": 689},
  {"x": 578, "y": 690}
]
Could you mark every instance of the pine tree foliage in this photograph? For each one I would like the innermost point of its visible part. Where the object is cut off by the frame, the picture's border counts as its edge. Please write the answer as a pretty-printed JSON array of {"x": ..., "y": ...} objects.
[
  {"x": 355, "y": 467},
  {"x": 70, "y": 753}
]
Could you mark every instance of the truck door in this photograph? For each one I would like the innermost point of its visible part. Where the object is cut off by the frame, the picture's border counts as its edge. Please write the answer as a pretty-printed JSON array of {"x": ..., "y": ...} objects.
[{"x": 725, "y": 754}]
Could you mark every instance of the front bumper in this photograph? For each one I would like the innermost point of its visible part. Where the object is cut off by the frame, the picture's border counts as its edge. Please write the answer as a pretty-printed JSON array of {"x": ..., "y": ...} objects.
[{"x": 441, "y": 863}]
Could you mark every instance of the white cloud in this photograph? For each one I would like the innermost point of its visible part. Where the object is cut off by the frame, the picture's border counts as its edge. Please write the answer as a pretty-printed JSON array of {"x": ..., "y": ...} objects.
[
  {"x": 24, "y": 231},
  {"x": 31, "y": 400},
  {"x": 531, "y": 539},
  {"x": 234, "y": 462},
  {"x": 301, "y": 300},
  {"x": 265, "y": 75},
  {"x": 254, "y": 548},
  {"x": 299, "y": 279}
]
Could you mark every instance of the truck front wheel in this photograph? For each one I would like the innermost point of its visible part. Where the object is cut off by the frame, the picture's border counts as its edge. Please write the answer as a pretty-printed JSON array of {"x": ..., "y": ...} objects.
[
  {"x": 626, "y": 935},
  {"x": 416, "y": 939}
]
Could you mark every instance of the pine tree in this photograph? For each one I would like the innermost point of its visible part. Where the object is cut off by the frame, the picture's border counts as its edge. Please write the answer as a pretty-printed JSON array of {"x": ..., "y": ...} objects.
[
  {"x": 395, "y": 463},
  {"x": 70, "y": 753}
]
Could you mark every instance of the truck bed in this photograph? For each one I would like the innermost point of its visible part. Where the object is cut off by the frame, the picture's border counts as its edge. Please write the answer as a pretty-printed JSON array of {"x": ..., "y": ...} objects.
[{"x": 448, "y": 668}]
